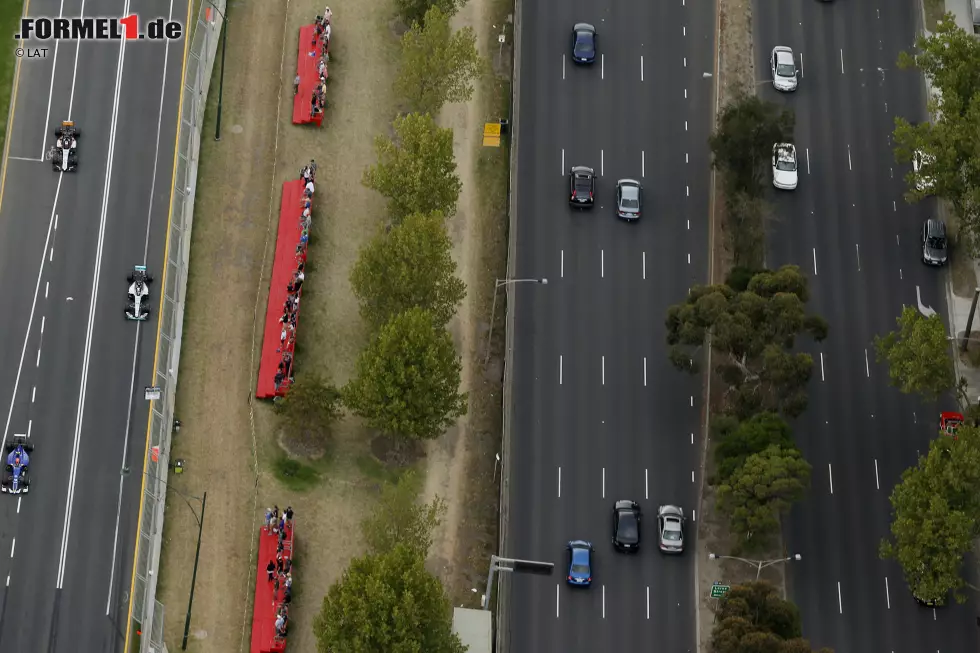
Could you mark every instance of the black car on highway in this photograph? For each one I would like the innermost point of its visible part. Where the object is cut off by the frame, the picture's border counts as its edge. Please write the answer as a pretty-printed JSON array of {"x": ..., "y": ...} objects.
[
  {"x": 581, "y": 184},
  {"x": 626, "y": 526}
]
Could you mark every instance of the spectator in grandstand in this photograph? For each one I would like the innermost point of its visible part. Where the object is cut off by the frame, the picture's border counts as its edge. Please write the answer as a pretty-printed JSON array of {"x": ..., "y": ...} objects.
[
  {"x": 296, "y": 82},
  {"x": 271, "y": 569}
]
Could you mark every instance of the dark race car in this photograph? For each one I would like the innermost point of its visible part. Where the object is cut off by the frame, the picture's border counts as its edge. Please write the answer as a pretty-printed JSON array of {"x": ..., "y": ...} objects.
[
  {"x": 138, "y": 307},
  {"x": 64, "y": 154},
  {"x": 15, "y": 476}
]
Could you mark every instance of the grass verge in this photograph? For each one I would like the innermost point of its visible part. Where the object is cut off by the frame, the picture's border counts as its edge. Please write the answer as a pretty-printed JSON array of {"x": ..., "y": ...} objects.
[
  {"x": 10, "y": 12},
  {"x": 935, "y": 9}
]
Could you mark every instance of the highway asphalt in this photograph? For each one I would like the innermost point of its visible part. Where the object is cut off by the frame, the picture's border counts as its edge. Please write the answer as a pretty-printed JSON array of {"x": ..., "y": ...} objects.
[
  {"x": 599, "y": 413},
  {"x": 849, "y": 229},
  {"x": 72, "y": 368}
]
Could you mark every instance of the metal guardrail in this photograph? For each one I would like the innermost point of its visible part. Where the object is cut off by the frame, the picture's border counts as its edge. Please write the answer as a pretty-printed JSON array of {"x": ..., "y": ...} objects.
[{"x": 147, "y": 611}]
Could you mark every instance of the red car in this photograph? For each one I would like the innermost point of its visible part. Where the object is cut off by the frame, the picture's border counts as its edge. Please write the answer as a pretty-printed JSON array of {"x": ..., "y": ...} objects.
[{"x": 949, "y": 422}]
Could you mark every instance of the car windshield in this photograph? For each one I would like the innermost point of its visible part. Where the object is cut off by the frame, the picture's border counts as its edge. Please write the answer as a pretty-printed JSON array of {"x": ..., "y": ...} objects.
[
  {"x": 583, "y": 42},
  {"x": 627, "y": 527},
  {"x": 783, "y": 164},
  {"x": 937, "y": 243},
  {"x": 629, "y": 203},
  {"x": 785, "y": 70},
  {"x": 672, "y": 536},
  {"x": 580, "y": 569}
]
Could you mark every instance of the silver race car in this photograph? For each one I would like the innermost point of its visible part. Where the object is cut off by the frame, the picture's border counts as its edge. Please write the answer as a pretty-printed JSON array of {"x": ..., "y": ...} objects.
[
  {"x": 64, "y": 153},
  {"x": 138, "y": 307}
]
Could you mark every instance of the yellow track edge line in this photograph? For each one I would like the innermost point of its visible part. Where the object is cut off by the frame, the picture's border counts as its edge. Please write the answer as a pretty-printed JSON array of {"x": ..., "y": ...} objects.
[{"x": 156, "y": 350}]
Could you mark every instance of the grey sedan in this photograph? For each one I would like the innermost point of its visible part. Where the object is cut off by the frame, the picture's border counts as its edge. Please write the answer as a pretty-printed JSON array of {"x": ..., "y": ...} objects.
[
  {"x": 629, "y": 199},
  {"x": 671, "y": 522}
]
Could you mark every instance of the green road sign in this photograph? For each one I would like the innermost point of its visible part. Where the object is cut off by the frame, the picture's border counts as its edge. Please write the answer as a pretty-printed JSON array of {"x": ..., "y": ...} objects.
[{"x": 719, "y": 591}]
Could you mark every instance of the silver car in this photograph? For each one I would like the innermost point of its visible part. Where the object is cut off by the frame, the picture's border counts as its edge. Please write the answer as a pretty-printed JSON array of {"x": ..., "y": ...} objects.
[
  {"x": 629, "y": 199},
  {"x": 670, "y": 520},
  {"x": 784, "y": 166},
  {"x": 783, "y": 69}
]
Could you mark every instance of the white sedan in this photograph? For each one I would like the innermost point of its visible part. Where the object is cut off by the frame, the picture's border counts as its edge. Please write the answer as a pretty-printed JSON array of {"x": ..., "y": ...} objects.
[
  {"x": 921, "y": 162},
  {"x": 783, "y": 66},
  {"x": 784, "y": 166}
]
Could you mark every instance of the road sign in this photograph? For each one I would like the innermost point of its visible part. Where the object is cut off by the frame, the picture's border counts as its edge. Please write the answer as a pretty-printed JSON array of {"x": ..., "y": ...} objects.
[
  {"x": 491, "y": 134},
  {"x": 719, "y": 591}
]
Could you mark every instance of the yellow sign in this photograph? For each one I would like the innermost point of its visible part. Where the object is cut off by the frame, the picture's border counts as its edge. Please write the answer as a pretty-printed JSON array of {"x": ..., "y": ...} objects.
[{"x": 491, "y": 134}]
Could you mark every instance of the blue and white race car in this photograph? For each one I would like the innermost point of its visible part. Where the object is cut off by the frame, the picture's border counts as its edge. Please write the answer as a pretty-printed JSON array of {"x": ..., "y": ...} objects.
[{"x": 16, "y": 479}]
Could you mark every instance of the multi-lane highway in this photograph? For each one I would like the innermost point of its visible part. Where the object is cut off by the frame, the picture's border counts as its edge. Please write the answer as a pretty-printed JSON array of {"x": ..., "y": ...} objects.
[
  {"x": 72, "y": 368},
  {"x": 599, "y": 413},
  {"x": 849, "y": 228}
]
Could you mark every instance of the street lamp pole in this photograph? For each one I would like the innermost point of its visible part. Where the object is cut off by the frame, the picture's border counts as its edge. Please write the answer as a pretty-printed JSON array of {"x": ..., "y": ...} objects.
[
  {"x": 197, "y": 557},
  {"x": 513, "y": 565},
  {"x": 493, "y": 311},
  {"x": 221, "y": 77},
  {"x": 758, "y": 564}
]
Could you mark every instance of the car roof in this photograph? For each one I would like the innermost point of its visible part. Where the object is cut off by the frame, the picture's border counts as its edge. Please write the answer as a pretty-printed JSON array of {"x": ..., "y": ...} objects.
[
  {"x": 936, "y": 227},
  {"x": 584, "y": 27}
]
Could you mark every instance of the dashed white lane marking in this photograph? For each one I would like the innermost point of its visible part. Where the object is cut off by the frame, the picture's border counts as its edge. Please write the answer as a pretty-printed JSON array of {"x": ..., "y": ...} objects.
[
  {"x": 42, "y": 324},
  {"x": 644, "y": 265},
  {"x": 603, "y": 601},
  {"x": 38, "y": 362},
  {"x": 692, "y": 438},
  {"x": 685, "y": 97},
  {"x": 8, "y": 575},
  {"x": 807, "y": 160},
  {"x": 46, "y": 286},
  {"x": 822, "y": 376},
  {"x": 685, "y": 30},
  {"x": 888, "y": 598},
  {"x": 18, "y": 504},
  {"x": 692, "y": 475},
  {"x": 842, "y": 61},
  {"x": 562, "y": 162},
  {"x": 688, "y": 258},
  {"x": 562, "y": 272},
  {"x": 51, "y": 255},
  {"x": 857, "y": 252},
  {"x": 641, "y": 67},
  {"x": 13, "y": 545},
  {"x": 643, "y": 164},
  {"x": 602, "y": 163},
  {"x": 687, "y": 190},
  {"x": 648, "y": 601},
  {"x": 694, "y": 515},
  {"x": 814, "y": 261},
  {"x": 33, "y": 393},
  {"x": 849, "y": 167},
  {"x": 830, "y": 474},
  {"x": 646, "y": 485},
  {"x": 801, "y": 66},
  {"x": 644, "y": 371},
  {"x": 603, "y": 70},
  {"x": 560, "y": 365},
  {"x": 692, "y": 401},
  {"x": 840, "y": 601},
  {"x": 685, "y": 122},
  {"x": 603, "y": 482},
  {"x": 559, "y": 482},
  {"x": 687, "y": 157},
  {"x": 563, "y": 66},
  {"x": 867, "y": 367},
  {"x": 602, "y": 263},
  {"x": 557, "y": 599},
  {"x": 30, "y": 425},
  {"x": 603, "y": 370},
  {"x": 894, "y": 208},
  {"x": 877, "y": 484}
]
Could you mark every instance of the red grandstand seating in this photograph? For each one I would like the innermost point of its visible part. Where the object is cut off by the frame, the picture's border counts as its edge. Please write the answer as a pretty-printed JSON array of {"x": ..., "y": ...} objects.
[
  {"x": 283, "y": 266},
  {"x": 306, "y": 69},
  {"x": 267, "y": 601}
]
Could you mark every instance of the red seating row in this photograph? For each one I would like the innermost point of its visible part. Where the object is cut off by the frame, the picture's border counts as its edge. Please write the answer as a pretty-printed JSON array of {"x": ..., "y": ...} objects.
[
  {"x": 311, "y": 49},
  {"x": 267, "y": 600},
  {"x": 284, "y": 264}
]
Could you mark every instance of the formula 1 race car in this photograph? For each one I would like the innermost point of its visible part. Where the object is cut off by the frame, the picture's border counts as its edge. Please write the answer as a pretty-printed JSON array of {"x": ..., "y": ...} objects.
[
  {"x": 15, "y": 477},
  {"x": 64, "y": 154},
  {"x": 138, "y": 307}
]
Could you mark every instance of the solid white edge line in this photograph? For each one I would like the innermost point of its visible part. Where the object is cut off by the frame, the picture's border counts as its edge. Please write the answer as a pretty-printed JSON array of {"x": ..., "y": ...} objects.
[{"x": 86, "y": 359}]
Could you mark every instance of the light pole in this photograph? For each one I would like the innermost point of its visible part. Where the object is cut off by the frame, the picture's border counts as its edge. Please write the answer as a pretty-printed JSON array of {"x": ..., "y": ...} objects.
[
  {"x": 758, "y": 564},
  {"x": 513, "y": 565},
  {"x": 197, "y": 556},
  {"x": 221, "y": 85},
  {"x": 493, "y": 311}
]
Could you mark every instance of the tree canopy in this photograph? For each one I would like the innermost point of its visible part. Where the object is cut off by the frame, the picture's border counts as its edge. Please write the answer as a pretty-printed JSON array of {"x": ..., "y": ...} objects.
[
  {"x": 918, "y": 355},
  {"x": 762, "y": 490},
  {"x": 950, "y": 58},
  {"x": 754, "y": 618},
  {"x": 386, "y": 602},
  {"x": 409, "y": 265},
  {"x": 745, "y": 228},
  {"x": 311, "y": 407},
  {"x": 437, "y": 64},
  {"x": 416, "y": 170},
  {"x": 936, "y": 511},
  {"x": 742, "y": 143},
  {"x": 754, "y": 331},
  {"x": 407, "y": 379},
  {"x": 414, "y": 11},
  {"x": 737, "y": 441},
  {"x": 398, "y": 518}
]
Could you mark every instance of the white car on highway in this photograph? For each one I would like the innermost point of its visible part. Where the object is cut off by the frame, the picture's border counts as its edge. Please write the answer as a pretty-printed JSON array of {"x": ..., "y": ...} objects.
[
  {"x": 920, "y": 163},
  {"x": 784, "y": 166},
  {"x": 783, "y": 66}
]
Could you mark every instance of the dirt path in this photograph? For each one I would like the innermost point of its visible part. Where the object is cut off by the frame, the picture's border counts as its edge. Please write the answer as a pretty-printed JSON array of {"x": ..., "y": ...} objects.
[{"x": 239, "y": 181}]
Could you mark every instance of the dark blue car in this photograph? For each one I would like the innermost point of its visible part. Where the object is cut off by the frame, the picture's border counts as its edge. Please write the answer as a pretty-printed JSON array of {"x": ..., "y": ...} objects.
[
  {"x": 580, "y": 563},
  {"x": 15, "y": 476},
  {"x": 583, "y": 43}
]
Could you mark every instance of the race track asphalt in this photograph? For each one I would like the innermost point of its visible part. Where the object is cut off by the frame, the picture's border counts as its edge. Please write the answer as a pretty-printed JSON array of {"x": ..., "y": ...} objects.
[
  {"x": 599, "y": 414},
  {"x": 76, "y": 382},
  {"x": 849, "y": 229}
]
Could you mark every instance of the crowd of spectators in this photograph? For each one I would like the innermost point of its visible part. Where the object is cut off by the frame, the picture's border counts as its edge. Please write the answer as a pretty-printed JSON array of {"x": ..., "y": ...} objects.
[
  {"x": 280, "y": 570},
  {"x": 321, "y": 46}
]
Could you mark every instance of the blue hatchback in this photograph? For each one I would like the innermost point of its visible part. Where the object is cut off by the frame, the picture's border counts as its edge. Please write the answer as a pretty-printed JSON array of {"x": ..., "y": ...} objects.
[
  {"x": 580, "y": 563},
  {"x": 583, "y": 43}
]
